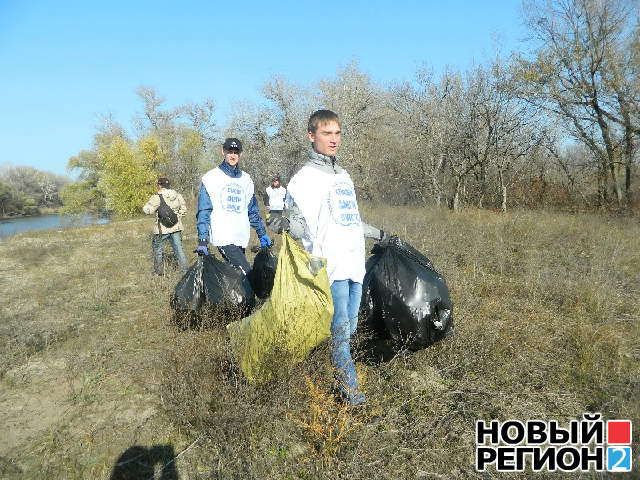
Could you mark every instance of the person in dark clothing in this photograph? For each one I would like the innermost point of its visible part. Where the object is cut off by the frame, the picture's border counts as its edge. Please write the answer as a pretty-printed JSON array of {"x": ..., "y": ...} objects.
[{"x": 227, "y": 207}]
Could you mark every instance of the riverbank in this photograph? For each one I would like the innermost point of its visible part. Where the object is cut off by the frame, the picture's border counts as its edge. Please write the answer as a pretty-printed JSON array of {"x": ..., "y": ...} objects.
[
  {"x": 93, "y": 372},
  {"x": 41, "y": 211},
  {"x": 49, "y": 210},
  {"x": 15, "y": 225}
]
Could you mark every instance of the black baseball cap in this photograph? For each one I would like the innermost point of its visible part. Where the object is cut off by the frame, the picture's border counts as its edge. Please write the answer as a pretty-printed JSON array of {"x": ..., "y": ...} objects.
[
  {"x": 163, "y": 182},
  {"x": 275, "y": 177},
  {"x": 231, "y": 143}
]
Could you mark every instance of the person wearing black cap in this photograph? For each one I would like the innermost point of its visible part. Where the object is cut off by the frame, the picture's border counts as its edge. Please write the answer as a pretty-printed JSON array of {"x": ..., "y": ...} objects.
[
  {"x": 227, "y": 206},
  {"x": 275, "y": 200},
  {"x": 161, "y": 232}
]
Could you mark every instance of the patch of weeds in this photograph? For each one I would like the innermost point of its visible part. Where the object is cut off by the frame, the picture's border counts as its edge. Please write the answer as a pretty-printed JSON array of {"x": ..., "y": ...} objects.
[
  {"x": 100, "y": 307},
  {"x": 26, "y": 342},
  {"x": 36, "y": 257},
  {"x": 8, "y": 467},
  {"x": 85, "y": 392},
  {"x": 125, "y": 391},
  {"x": 328, "y": 422},
  {"x": 450, "y": 382},
  {"x": 83, "y": 382},
  {"x": 278, "y": 452}
]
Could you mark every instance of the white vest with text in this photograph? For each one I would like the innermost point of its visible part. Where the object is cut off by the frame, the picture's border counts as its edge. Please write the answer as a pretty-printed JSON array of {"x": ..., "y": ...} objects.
[
  {"x": 334, "y": 228},
  {"x": 276, "y": 197},
  {"x": 230, "y": 199}
]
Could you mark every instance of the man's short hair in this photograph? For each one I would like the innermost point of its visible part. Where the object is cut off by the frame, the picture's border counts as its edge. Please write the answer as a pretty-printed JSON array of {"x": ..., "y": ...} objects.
[
  {"x": 163, "y": 182},
  {"x": 321, "y": 117}
]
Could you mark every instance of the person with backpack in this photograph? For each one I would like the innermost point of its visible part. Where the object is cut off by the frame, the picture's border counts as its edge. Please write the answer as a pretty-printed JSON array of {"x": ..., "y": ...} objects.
[
  {"x": 227, "y": 206},
  {"x": 325, "y": 216},
  {"x": 169, "y": 208}
]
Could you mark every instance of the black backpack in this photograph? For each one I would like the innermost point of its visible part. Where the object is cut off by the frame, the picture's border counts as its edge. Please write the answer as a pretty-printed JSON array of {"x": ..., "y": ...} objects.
[{"x": 166, "y": 215}]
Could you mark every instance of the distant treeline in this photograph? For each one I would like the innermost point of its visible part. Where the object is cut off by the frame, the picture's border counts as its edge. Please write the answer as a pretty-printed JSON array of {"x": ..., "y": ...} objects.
[
  {"x": 554, "y": 125},
  {"x": 25, "y": 190}
]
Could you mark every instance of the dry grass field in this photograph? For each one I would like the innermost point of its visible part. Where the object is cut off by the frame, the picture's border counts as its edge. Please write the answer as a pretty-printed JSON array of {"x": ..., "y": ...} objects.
[{"x": 96, "y": 382}]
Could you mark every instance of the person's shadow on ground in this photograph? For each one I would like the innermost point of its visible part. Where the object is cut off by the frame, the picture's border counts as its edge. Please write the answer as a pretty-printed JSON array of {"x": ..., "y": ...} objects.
[{"x": 141, "y": 463}]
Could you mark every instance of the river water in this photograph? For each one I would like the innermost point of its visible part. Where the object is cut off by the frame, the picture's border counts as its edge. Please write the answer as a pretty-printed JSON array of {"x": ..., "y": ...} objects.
[{"x": 12, "y": 226}]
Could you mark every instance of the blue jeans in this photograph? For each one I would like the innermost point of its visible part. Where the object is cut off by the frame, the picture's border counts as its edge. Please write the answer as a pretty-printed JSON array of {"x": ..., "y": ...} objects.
[
  {"x": 346, "y": 303},
  {"x": 175, "y": 239}
]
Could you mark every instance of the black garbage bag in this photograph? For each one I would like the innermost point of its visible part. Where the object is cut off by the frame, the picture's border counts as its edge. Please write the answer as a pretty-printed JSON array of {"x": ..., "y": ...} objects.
[
  {"x": 213, "y": 290},
  {"x": 263, "y": 272},
  {"x": 404, "y": 298}
]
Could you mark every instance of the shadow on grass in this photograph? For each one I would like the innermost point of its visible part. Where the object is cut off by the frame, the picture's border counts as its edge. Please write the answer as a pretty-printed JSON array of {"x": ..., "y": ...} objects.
[{"x": 141, "y": 463}]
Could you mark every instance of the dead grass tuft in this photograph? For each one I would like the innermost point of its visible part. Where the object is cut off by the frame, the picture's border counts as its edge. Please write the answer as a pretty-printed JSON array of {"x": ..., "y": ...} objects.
[{"x": 326, "y": 421}]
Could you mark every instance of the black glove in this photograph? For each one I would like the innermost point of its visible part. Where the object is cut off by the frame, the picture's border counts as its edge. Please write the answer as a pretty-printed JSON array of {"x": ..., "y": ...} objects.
[{"x": 202, "y": 248}]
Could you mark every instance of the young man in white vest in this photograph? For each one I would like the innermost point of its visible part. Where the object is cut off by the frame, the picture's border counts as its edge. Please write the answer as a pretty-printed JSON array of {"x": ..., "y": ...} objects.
[
  {"x": 227, "y": 207},
  {"x": 276, "y": 200},
  {"x": 325, "y": 216}
]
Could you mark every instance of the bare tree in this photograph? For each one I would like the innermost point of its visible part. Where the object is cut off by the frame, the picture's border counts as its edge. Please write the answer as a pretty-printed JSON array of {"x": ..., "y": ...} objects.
[
  {"x": 570, "y": 73},
  {"x": 423, "y": 125},
  {"x": 291, "y": 106},
  {"x": 256, "y": 127},
  {"x": 365, "y": 117}
]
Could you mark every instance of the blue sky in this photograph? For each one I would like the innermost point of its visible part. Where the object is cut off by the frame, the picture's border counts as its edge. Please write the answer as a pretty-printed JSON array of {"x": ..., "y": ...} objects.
[{"x": 64, "y": 63}]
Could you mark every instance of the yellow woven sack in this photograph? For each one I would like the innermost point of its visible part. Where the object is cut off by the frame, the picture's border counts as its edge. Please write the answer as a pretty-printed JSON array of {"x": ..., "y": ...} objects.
[{"x": 294, "y": 320}]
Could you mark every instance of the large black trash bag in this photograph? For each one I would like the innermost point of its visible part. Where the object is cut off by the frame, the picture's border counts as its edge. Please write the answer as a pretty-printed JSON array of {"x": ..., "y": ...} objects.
[
  {"x": 404, "y": 298},
  {"x": 263, "y": 272},
  {"x": 213, "y": 290}
]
